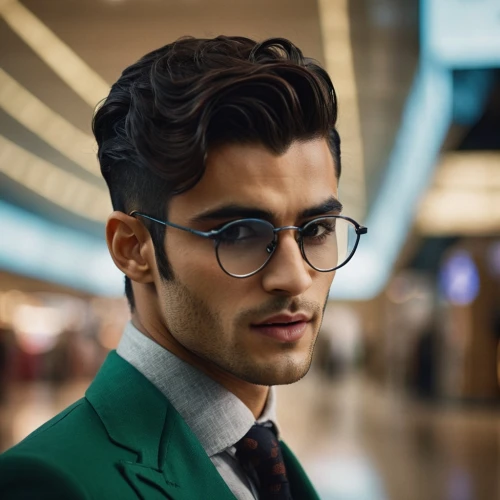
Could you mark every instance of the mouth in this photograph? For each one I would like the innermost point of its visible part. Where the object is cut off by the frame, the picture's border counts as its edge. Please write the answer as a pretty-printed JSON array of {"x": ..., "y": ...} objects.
[{"x": 283, "y": 328}]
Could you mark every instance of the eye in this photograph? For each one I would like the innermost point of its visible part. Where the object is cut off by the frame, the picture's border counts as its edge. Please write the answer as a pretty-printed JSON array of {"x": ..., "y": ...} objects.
[
  {"x": 238, "y": 232},
  {"x": 318, "y": 230}
]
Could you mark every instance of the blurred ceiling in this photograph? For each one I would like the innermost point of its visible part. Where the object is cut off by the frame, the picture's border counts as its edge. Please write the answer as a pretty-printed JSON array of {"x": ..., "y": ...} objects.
[
  {"x": 385, "y": 37},
  {"x": 59, "y": 57},
  {"x": 464, "y": 196}
]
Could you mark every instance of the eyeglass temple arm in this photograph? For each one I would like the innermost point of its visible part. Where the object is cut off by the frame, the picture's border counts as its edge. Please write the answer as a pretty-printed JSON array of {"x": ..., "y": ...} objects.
[
  {"x": 359, "y": 228},
  {"x": 214, "y": 233},
  {"x": 209, "y": 234}
]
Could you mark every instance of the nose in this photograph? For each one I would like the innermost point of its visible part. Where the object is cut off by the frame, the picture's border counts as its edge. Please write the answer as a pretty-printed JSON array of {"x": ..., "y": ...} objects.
[{"x": 287, "y": 273}]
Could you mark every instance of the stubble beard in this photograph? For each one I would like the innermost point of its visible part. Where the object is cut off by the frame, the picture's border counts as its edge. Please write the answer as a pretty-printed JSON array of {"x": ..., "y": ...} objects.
[{"x": 195, "y": 325}]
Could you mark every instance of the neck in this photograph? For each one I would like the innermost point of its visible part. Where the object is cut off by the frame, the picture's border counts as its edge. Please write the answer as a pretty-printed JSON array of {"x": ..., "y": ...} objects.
[{"x": 252, "y": 395}]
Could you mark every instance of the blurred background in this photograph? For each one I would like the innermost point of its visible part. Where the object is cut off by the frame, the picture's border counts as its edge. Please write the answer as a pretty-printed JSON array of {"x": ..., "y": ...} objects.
[{"x": 402, "y": 401}]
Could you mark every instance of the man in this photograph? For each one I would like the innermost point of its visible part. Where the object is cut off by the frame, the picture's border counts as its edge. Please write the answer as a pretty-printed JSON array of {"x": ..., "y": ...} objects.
[{"x": 222, "y": 161}]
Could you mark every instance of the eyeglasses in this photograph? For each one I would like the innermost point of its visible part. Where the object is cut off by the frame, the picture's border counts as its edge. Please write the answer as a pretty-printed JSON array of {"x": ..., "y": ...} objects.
[{"x": 243, "y": 247}]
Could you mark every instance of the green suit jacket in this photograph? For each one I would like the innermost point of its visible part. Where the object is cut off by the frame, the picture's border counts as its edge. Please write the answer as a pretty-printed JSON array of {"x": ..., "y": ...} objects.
[{"x": 122, "y": 441}]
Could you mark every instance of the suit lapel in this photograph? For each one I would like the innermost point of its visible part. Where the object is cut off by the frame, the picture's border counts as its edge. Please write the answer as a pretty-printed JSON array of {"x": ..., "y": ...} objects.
[
  {"x": 300, "y": 484},
  {"x": 170, "y": 462},
  {"x": 148, "y": 483}
]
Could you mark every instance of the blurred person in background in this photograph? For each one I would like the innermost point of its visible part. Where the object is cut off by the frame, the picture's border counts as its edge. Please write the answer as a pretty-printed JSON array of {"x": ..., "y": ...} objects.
[{"x": 222, "y": 161}]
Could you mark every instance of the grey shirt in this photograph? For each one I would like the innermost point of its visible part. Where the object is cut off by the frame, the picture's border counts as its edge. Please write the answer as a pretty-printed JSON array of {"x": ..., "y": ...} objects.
[{"x": 216, "y": 416}]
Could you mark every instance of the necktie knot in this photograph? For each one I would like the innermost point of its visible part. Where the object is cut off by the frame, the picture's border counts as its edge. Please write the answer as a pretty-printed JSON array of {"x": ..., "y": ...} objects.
[{"x": 260, "y": 450}]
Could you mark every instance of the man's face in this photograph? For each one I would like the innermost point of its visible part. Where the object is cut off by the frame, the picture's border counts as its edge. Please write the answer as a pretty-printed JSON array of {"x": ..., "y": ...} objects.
[{"x": 219, "y": 318}]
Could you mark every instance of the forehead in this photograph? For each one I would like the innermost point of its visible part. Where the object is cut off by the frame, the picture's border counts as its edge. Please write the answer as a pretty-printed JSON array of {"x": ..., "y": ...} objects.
[{"x": 253, "y": 176}]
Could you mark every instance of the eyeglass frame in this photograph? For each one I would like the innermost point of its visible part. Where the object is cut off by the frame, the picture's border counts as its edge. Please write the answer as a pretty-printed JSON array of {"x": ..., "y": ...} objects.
[{"x": 215, "y": 233}]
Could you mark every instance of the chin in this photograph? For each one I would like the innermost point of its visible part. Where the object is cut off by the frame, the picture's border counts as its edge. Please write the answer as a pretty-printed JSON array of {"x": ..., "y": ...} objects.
[{"x": 277, "y": 374}]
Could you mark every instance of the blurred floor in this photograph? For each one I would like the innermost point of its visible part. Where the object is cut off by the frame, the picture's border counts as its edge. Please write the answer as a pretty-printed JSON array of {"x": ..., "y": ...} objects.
[{"x": 357, "y": 441}]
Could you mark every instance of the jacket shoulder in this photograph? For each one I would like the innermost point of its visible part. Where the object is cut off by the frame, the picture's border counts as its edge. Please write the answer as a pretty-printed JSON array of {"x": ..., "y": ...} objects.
[
  {"x": 71, "y": 452},
  {"x": 24, "y": 477},
  {"x": 57, "y": 420},
  {"x": 73, "y": 425}
]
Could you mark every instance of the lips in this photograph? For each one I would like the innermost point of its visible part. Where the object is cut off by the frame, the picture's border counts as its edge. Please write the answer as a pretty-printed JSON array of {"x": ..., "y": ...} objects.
[
  {"x": 283, "y": 327},
  {"x": 284, "y": 319}
]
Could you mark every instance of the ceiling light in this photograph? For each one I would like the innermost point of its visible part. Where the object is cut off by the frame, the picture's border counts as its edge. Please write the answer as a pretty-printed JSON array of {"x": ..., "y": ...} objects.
[
  {"x": 73, "y": 70},
  {"x": 53, "y": 183},
  {"x": 464, "y": 197},
  {"x": 335, "y": 28},
  {"x": 33, "y": 114}
]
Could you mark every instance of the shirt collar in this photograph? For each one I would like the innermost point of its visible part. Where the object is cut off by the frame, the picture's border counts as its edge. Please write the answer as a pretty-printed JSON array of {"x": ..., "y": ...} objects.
[{"x": 216, "y": 416}]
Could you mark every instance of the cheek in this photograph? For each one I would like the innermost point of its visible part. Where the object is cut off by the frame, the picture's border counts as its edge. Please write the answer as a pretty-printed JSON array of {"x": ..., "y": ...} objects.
[
  {"x": 322, "y": 285},
  {"x": 329, "y": 278},
  {"x": 199, "y": 272},
  {"x": 190, "y": 256}
]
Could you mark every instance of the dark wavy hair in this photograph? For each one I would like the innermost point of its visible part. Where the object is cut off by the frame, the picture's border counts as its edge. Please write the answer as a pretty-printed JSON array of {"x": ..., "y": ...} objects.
[{"x": 165, "y": 111}]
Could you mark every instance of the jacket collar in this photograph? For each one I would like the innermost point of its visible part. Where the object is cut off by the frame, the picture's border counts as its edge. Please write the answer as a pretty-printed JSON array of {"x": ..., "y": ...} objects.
[
  {"x": 300, "y": 484},
  {"x": 139, "y": 418},
  {"x": 217, "y": 417}
]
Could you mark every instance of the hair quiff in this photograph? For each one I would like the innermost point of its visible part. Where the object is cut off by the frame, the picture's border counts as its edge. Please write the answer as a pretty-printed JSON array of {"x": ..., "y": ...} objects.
[{"x": 165, "y": 111}]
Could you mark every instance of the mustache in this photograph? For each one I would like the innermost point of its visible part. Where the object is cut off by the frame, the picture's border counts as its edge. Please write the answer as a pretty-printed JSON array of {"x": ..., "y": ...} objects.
[{"x": 278, "y": 305}]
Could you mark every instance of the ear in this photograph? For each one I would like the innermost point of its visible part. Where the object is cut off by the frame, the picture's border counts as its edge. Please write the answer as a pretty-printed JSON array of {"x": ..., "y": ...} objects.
[{"x": 130, "y": 246}]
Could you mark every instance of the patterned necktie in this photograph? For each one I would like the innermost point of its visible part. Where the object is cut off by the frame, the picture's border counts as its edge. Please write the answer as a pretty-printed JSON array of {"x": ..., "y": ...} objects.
[{"x": 260, "y": 449}]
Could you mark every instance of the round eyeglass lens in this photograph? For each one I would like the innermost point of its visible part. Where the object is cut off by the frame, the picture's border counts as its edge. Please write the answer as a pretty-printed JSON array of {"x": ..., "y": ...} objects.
[
  {"x": 245, "y": 246},
  {"x": 328, "y": 242}
]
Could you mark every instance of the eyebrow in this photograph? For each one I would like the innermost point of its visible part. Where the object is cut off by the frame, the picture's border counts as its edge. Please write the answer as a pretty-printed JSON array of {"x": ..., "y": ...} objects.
[
  {"x": 233, "y": 211},
  {"x": 329, "y": 205}
]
